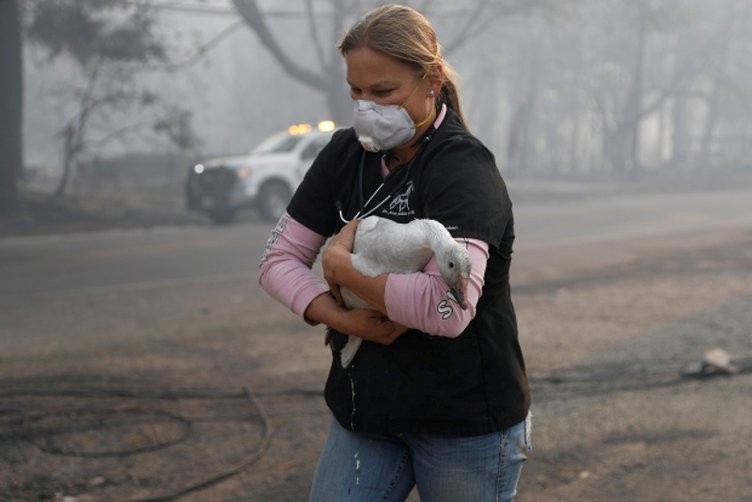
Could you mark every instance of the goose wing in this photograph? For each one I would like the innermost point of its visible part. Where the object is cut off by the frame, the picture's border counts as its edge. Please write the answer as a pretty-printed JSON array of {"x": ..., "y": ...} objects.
[{"x": 383, "y": 246}]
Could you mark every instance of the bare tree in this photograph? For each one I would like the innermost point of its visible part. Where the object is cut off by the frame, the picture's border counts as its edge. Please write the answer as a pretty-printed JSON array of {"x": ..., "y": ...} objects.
[
  {"x": 111, "y": 42},
  {"x": 585, "y": 95},
  {"x": 727, "y": 90},
  {"x": 468, "y": 20},
  {"x": 11, "y": 99},
  {"x": 329, "y": 78}
]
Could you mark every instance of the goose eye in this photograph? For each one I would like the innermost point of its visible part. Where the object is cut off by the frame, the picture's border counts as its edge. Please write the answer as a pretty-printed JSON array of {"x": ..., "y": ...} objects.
[{"x": 451, "y": 264}]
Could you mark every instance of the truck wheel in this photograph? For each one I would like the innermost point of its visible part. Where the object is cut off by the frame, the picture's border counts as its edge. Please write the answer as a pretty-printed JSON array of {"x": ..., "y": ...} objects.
[
  {"x": 221, "y": 215},
  {"x": 273, "y": 200}
]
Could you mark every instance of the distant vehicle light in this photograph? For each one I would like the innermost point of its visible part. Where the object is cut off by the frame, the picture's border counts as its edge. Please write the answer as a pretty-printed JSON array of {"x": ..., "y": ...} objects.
[
  {"x": 326, "y": 126},
  {"x": 199, "y": 168},
  {"x": 298, "y": 129}
]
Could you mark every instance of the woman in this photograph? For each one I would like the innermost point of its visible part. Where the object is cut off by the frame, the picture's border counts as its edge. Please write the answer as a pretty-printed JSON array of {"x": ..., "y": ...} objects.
[{"x": 436, "y": 396}]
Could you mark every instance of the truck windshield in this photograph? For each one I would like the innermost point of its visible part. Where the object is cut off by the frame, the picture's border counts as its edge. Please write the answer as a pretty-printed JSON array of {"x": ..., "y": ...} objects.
[{"x": 278, "y": 143}]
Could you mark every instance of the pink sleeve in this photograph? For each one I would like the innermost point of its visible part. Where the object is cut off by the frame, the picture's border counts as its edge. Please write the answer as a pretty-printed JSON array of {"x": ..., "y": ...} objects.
[
  {"x": 285, "y": 269},
  {"x": 421, "y": 301}
]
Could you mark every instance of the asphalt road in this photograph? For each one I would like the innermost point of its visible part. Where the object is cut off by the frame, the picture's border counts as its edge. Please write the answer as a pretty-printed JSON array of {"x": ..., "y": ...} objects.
[
  {"x": 124, "y": 356},
  {"x": 179, "y": 255},
  {"x": 128, "y": 258}
]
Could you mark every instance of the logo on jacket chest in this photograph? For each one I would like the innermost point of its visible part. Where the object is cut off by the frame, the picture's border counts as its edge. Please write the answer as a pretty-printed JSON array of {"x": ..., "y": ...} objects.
[{"x": 399, "y": 205}]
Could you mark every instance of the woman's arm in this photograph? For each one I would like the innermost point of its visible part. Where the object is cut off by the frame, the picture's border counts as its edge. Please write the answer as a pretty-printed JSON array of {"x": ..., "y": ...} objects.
[
  {"x": 285, "y": 273},
  {"x": 285, "y": 269},
  {"x": 418, "y": 300},
  {"x": 422, "y": 300}
]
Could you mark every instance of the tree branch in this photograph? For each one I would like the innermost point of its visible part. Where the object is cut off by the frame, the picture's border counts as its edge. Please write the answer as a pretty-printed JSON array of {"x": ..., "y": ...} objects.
[
  {"x": 254, "y": 18},
  {"x": 201, "y": 50},
  {"x": 469, "y": 28},
  {"x": 118, "y": 134},
  {"x": 314, "y": 34}
]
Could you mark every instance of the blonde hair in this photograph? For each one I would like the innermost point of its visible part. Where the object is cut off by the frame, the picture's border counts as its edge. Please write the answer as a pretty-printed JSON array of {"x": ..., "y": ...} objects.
[{"x": 407, "y": 36}]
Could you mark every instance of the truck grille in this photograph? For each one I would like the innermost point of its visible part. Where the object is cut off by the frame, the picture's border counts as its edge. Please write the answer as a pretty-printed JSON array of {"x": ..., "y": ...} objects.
[{"x": 216, "y": 182}]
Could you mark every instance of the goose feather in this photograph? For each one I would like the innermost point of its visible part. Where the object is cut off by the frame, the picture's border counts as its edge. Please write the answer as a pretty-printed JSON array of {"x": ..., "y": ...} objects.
[{"x": 384, "y": 246}]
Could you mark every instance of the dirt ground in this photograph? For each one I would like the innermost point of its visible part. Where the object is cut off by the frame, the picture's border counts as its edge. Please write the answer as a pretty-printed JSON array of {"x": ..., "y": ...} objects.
[{"x": 162, "y": 394}]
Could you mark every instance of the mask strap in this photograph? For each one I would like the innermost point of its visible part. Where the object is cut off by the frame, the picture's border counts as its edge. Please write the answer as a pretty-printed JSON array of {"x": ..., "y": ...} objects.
[
  {"x": 428, "y": 117},
  {"x": 422, "y": 122},
  {"x": 414, "y": 89}
]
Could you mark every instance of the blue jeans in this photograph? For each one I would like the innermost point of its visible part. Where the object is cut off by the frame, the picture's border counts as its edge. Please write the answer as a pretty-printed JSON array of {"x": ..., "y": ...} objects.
[{"x": 365, "y": 467}]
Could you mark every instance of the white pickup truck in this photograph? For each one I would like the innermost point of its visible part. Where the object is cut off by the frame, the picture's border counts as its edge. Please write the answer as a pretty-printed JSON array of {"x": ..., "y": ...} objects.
[{"x": 264, "y": 179}]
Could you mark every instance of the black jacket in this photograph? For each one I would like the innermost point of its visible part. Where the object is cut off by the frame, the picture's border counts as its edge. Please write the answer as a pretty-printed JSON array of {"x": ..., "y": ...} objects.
[{"x": 470, "y": 385}]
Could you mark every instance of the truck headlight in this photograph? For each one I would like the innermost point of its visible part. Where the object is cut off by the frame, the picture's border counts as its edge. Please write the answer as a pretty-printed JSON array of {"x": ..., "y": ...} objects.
[{"x": 199, "y": 168}]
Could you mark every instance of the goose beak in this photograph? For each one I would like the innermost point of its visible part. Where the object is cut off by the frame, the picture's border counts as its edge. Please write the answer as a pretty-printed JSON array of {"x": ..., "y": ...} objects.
[{"x": 458, "y": 295}]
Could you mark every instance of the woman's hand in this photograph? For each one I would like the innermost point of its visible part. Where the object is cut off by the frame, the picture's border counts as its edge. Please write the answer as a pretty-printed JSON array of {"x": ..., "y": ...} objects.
[
  {"x": 337, "y": 253},
  {"x": 367, "y": 324},
  {"x": 371, "y": 325}
]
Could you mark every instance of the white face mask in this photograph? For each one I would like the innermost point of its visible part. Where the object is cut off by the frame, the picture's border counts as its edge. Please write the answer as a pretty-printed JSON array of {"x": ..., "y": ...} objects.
[{"x": 382, "y": 127}]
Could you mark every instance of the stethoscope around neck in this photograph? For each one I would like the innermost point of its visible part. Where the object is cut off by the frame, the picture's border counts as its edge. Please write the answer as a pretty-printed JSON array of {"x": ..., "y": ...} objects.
[
  {"x": 403, "y": 172},
  {"x": 365, "y": 210}
]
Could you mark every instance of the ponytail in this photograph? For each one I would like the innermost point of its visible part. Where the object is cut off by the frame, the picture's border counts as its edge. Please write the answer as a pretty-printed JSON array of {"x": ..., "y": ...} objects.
[{"x": 450, "y": 94}]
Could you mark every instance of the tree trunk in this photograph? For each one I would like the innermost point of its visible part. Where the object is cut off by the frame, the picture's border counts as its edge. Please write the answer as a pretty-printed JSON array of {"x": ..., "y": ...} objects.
[
  {"x": 518, "y": 146},
  {"x": 630, "y": 150},
  {"x": 74, "y": 132},
  {"x": 11, "y": 106}
]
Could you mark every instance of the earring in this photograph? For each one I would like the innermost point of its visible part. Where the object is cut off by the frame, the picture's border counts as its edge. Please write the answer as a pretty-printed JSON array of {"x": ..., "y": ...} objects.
[{"x": 431, "y": 93}]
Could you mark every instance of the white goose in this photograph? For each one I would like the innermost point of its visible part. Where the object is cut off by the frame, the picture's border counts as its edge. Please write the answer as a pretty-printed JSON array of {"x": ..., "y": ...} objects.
[{"x": 384, "y": 246}]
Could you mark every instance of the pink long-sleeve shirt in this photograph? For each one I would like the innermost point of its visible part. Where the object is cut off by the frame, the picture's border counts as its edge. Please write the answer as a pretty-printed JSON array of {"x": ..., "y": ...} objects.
[{"x": 419, "y": 300}]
